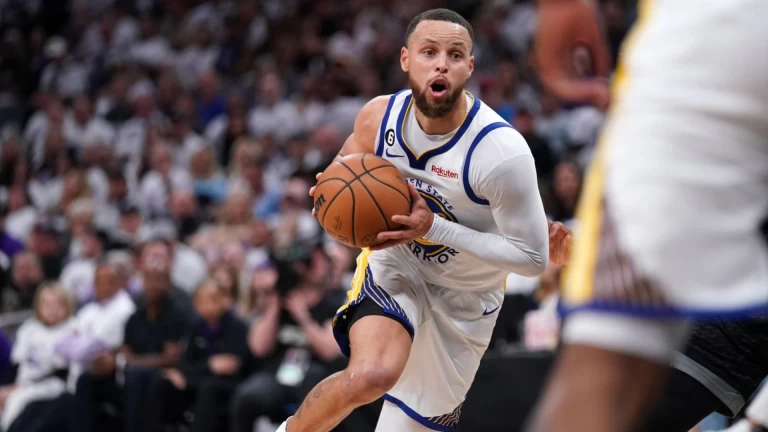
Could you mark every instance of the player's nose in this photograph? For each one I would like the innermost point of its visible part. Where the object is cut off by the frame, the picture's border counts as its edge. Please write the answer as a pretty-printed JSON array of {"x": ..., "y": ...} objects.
[{"x": 441, "y": 64}]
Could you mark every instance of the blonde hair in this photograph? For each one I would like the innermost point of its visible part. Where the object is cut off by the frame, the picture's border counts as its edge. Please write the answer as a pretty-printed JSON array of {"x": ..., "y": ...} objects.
[{"x": 60, "y": 292}]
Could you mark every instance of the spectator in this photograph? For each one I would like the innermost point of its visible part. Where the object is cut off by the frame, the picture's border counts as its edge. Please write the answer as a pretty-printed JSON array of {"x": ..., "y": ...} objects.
[
  {"x": 157, "y": 185},
  {"x": 210, "y": 101},
  {"x": 214, "y": 358},
  {"x": 227, "y": 128},
  {"x": 9, "y": 245},
  {"x": 26, "y": 277},
  {"x": 82, "y": 127},
  {"x": 294, "y": 340},
  {"x": 209, "y": 182},
  {"x": 78, "y": 275},
  {"x": 228, "y": 280},
  {"x": 99, "y": 325},
  {"x": 41, "y": 371},
  {"x": 543, "y": 156},
  {"x": 273, "y": 115},
  {"x": 151, "y": 343},
  {"x": 566, "y": 187},
  {"x": 21, "y": 215}
]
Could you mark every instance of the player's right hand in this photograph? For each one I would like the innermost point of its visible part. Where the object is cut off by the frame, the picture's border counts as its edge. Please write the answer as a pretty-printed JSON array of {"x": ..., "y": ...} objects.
[{"x": 312, "y": 192}]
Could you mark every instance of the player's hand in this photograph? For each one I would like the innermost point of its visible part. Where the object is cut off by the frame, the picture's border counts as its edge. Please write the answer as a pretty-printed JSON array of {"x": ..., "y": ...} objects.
[
  {"x": 560, "y": 239},
  {"x": 415, "y": 226},
  {"x": 312, "y": 192}
]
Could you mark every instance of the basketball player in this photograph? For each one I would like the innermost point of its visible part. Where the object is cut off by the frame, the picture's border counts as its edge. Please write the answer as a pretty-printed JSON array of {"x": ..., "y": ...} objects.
[
  {"x": 672, "y": 208},
  {"x": 424, "y": 302}
]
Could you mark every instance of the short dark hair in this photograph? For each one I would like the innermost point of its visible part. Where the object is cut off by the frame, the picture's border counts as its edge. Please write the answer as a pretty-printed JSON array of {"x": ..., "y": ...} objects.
[{"x": 441, "y": 14}]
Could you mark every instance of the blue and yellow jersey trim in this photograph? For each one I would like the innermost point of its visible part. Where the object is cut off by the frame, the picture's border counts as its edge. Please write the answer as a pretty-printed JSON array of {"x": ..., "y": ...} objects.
[
  {"x": 420, "y": 161},
  {"x": 363, "y": 286},
  {"x": 446, "y": 422}
]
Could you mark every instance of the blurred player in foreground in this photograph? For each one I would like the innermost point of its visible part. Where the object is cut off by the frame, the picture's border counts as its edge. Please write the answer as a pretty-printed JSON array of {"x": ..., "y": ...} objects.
[
  {"x": 673, "y": 208},
  {"x": 424, "y": 302}
]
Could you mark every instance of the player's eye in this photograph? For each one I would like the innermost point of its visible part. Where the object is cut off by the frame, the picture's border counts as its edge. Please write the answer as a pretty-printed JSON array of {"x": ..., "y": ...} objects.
[
  {"x": 428, "y": 52},
  {"x": 457, "y": 56}
]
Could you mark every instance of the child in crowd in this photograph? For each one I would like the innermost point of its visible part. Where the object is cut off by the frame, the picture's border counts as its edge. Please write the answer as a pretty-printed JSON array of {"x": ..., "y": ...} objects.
[{"x": 41, "y": 371}]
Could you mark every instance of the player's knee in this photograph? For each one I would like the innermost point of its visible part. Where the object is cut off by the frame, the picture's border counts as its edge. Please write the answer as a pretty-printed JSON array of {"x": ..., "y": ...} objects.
[{"x": 369, "y": 382}]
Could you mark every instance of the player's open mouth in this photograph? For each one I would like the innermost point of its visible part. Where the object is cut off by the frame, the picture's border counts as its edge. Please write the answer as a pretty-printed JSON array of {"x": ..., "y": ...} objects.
[{"x": 438, "y": 88}]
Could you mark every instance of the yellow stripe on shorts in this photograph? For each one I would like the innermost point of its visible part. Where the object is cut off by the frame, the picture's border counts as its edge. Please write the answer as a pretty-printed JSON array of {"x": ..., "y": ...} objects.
[{"x": 578, "y": 277}]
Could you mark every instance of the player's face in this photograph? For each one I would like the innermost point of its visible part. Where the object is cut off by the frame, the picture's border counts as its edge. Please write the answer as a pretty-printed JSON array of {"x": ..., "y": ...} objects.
[{"x": 438, "y": 62}]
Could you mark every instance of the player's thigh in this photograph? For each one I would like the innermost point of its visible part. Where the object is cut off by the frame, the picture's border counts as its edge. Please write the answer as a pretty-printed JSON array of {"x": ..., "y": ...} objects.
[
  {"x": 446, "y": 354},
  {"x": 393, "y": 419},
  {"x": 686, "y": 159}
]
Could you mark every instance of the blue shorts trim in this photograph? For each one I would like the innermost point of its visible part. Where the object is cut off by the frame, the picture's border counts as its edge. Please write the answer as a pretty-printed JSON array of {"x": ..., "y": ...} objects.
[
  {"x": 446, "y": 422},
  {"x": 381, "y": 297},
  {"x": 666, "y": 312}
]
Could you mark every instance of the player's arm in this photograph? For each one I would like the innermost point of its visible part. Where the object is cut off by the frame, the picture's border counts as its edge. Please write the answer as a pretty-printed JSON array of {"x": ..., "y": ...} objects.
[{"x": 522, "y": 246}]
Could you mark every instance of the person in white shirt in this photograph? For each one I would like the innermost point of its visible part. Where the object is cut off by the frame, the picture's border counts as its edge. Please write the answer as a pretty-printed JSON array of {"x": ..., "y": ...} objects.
[
  {"x": 81, "y": 127},
  {"x": 274, "y": 116},
  {"x": 39, "y": 376},
  {"x": 99, "y": 325},
  {"x": 157, "y": 185}
]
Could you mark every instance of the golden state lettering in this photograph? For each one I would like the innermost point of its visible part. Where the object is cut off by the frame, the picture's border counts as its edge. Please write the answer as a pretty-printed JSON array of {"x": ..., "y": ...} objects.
[{"x": 424, "y": 249}]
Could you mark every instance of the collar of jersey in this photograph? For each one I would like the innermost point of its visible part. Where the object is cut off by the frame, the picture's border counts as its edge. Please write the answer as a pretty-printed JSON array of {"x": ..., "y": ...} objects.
[{"x": 420, "y": 161}]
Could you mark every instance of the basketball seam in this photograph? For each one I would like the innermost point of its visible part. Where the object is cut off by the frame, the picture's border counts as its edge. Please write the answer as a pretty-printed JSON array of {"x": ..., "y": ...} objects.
[
  {"x": 357, "y": 177},
  {"x": 391, "y": 187},
  {"x": 346, "y": 185}
]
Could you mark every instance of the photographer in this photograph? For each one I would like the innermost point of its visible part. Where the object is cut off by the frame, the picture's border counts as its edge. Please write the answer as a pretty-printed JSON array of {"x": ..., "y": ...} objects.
[{"x": 292, "y": 339}]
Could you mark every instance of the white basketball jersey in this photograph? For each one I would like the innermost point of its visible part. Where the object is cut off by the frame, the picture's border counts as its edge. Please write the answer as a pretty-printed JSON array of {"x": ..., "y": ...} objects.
[{"x": 441, "y": 169}]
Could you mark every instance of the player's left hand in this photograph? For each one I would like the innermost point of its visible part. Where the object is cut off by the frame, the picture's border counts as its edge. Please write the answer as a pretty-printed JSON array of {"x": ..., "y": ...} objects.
[
  {"x": 560, "y": 239},
  {"x": 414, "y": 226}
]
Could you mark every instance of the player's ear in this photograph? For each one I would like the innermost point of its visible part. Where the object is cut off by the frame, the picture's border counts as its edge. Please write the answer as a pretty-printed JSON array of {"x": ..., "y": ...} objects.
[
  {"x": 404, "y": 59},
  {"x": 471, "y": 66}
]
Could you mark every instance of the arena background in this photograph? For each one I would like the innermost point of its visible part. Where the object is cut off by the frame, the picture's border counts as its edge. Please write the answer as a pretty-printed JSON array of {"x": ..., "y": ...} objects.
[{"x": 203, "y": 123}]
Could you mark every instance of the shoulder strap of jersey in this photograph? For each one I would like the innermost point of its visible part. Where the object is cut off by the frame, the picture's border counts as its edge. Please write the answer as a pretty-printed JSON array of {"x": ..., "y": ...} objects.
[{"x": 395, "y": 102}]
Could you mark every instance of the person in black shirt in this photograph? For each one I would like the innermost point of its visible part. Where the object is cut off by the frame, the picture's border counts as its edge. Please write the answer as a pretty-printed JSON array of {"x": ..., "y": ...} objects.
[
  {"x": 293, "y": 340},
  {"x": 151, "y": 343},
  {"x": 214, "y": 359}
]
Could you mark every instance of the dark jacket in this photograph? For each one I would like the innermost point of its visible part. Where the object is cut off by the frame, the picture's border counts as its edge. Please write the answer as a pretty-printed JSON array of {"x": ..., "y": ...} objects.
[{"x": 202, "y": 341}]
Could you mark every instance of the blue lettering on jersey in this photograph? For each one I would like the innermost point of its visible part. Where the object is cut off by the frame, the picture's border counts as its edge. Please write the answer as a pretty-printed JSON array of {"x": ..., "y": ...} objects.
[{"x": 426, "y": 250}]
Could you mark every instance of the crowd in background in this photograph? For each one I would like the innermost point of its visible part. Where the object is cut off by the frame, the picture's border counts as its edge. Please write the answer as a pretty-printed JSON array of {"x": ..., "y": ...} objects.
[{"x": 155, "y": 158}]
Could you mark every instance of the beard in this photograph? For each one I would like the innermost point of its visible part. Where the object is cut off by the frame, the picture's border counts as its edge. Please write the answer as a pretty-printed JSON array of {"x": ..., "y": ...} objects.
[{"x": 436, "y": 110}]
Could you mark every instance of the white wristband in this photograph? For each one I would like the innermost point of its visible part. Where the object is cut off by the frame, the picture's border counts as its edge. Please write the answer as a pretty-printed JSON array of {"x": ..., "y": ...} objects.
[{"x": 436, "y": 221}]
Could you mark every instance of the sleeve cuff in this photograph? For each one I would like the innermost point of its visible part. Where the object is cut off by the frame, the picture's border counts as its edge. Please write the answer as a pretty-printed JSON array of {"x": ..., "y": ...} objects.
[{"x": 436, "y": 228}]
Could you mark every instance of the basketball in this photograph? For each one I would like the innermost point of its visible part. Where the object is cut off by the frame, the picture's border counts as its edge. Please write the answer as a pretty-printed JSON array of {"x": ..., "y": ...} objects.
[{"x": 357, "y": 196}]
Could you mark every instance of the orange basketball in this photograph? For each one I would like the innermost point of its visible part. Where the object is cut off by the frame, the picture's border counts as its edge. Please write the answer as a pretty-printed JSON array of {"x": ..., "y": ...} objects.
[{"x": 357, "y": 196}]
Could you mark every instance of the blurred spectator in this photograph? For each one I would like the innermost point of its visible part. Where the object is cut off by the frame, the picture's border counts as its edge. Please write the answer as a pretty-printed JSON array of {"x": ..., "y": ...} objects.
[
  {"x": 41, "y": 370},
  {"x": 82, "y": 127},
  {"x": 566, "y": 187},
  {"x": 209, "y": 182},
  {"x": 151, "y": 343},
  {"x": 21, "y": 215},
  {"x": 158, "y": 184},
  {"x": 64, "y": 76},
  {"x": 78, "y": 275},
  {"x": 99, "y": 325},
  {"x": 9, "y": 245},
  {"x": 227, "y": 128},
  {"x": 273, "y": 115},
  {"x": 210, "y": 101},
  {"x": 26, "y": 277},
  {"x": 47, "y": 244},
  {"x": 294, "y": 340},
  {"x": 214, "y": 359},
  {"x": 543, "y": 156},
  {"x": 152, "y": 49},
  {"x": 228, "y": 280}
]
